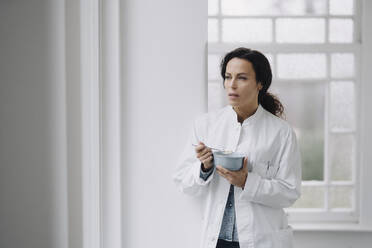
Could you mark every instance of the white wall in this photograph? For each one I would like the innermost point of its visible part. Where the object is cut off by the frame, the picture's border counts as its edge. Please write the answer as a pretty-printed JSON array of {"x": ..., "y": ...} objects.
[
  {"x": 164, "y": 43},
  {"x": 32, "y": 150},
  {"x": 332, "y": 239}
]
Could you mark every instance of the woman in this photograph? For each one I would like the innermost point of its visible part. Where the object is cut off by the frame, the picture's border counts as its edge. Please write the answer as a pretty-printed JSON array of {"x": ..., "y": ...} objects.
[{"x": 244, "y": 208}]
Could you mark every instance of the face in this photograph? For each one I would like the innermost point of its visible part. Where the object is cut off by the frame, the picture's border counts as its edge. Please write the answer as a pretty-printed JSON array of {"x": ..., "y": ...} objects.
[{"x": 240, "y": 84}]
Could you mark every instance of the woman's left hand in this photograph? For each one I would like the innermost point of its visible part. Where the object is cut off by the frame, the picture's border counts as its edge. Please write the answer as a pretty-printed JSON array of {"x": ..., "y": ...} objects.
[{"x": 236, "y": 178}]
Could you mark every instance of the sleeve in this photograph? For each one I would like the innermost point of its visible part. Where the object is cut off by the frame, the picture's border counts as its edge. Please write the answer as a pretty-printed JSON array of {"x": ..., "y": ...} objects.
[
  {"x": 187, "y": 175},
  {"x": 285, "y": 188}
]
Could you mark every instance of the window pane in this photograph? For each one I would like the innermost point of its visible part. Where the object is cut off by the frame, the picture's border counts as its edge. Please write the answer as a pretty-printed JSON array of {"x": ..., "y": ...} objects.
[
  {"x": 341, "y": 148},
  {"x": 340, "y": 197},
  {"x": 311, "y": 30},
  {"x": 246, "y": 30},
  {"x": 341, "y": 30},
  {"x": 273, "y": 7},
  {"x": 213, "y": 66},
  {"x": 342, "y": 106},
  {"x": 308, "y": 122},
  {"x": 216, "y": 95},
  {"x": 270, "y": 58},
  {"x": 212, "y": 7},
  {"x": 212, "y": 30},
  {"x": 342, "y": 65},
  {"x": 293, "y": 66},
  {"x": 341, "y": 7},
  {"x": 311, "y": 197}
]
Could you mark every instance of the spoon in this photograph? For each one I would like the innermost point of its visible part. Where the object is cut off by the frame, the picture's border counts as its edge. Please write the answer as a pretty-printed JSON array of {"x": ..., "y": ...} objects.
[{"x": 221, "y": 150}]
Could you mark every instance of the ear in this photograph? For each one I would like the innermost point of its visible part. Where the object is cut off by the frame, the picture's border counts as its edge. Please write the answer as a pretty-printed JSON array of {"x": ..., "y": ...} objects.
[{"x": 260, "y": 86}]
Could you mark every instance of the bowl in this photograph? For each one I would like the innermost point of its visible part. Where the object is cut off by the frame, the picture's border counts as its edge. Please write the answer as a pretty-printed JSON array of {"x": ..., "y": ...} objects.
[{"x": 232, "y": 161}]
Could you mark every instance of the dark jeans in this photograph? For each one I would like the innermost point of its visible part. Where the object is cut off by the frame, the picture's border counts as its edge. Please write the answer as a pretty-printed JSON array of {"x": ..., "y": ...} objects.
[{"x": 227, "y": 244}]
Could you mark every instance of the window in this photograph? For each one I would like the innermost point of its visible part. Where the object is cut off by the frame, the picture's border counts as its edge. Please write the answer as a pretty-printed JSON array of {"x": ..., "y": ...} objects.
[{"x": 314, "y": 49}]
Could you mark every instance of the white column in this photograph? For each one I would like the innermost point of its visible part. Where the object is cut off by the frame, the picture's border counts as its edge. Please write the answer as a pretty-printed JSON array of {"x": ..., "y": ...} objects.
[
  {"x": 91, "y": 140},
  {"x": 110, "y": 86},
  {"x": 74, "y": 125},
  {"x": 164, "y": 89},
  {"x": 56, "y": 51},
  {"x": 366, "y": 117}
]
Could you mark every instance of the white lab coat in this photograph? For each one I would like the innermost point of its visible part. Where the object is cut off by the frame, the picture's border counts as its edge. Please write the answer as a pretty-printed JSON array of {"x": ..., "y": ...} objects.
[{"x": 273, "y": 184}]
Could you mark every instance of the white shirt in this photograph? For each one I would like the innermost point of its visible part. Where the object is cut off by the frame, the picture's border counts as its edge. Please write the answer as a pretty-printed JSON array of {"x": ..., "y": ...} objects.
[{"x": 274, "y": 183}]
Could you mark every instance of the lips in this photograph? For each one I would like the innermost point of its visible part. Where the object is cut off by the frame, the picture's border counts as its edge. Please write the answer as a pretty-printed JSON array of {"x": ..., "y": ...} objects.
[{"x": 233, "y": 94}]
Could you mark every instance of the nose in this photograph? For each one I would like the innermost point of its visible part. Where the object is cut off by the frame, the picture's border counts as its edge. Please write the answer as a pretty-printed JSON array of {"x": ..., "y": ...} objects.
[
  {"x": 233, "y": 83},
  {"x": 230, "y": 83}
]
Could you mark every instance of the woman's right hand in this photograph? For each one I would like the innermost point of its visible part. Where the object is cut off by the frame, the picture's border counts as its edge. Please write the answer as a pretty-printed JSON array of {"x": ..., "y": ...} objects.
[{"x": 205, "y": 155}]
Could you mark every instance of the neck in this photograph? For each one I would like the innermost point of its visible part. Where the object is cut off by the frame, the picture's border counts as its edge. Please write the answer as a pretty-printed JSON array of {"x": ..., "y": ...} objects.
[{"x": 245, "y": 112}]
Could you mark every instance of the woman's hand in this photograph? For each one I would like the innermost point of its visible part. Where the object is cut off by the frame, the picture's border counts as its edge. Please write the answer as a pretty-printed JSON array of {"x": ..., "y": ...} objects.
[
  {"x": 236, "y": 178},
  {"x": 205, "y": 155}
]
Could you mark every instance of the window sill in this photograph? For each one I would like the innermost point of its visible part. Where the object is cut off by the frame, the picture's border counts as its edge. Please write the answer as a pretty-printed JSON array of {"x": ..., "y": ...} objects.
[{"x": 349, "y": 227}]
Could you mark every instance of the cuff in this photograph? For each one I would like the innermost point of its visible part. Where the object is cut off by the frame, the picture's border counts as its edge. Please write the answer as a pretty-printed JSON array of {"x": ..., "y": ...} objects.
[
  {"x": 198, "y": 175},
  {"x": 205, "y": 174}
]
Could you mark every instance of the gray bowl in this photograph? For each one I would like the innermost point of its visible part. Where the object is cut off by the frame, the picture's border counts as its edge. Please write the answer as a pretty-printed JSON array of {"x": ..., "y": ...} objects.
[{"x": 233, "y": 161}]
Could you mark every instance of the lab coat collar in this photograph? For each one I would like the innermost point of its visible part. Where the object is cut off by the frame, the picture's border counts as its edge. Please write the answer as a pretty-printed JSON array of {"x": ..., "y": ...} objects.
[{"x": 248, "y": 121}]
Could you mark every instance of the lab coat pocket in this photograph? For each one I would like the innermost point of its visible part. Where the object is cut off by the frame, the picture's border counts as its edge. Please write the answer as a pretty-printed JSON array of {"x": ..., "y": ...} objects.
[
  {"x": 285, "y": 237},
  {"x": 265, "y": 169},
  {"x": 282, "y": 238}
]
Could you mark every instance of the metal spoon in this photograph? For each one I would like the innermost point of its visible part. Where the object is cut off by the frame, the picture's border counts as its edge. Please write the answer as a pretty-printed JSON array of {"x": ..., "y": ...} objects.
[{"x": 221, "y": 150}]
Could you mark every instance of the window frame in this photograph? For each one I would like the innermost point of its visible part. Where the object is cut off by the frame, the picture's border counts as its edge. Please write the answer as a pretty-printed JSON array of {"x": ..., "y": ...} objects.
[{"x": 315, "y": 219}]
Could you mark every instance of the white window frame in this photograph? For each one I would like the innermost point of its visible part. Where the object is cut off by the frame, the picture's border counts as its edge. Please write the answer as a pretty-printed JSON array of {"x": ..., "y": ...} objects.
[{"x": 315, "y": 219}]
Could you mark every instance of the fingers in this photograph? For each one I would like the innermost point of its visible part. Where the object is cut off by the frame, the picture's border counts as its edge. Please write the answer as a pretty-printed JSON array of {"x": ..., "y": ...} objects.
[
  {"x": 224, "y": 172},
  {"x": 207, "y": 160},
  {"x": 228, "y": 173},
  {"x": 205, "y": 152},
  {"x": 236, "y": 178},
  {"x": 200, "y": 147},
  {"x": 245, "y": 166},
  {"x": 227, "y": 176},
  {"x": 206, "y": 155},
  {"x": 202, "y": 151}
]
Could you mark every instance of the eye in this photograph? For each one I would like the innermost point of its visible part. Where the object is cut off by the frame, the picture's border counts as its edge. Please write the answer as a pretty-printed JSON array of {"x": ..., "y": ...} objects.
[
  {"x": 243, "y": 78},
  {"x": 227, "y": 76}
]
